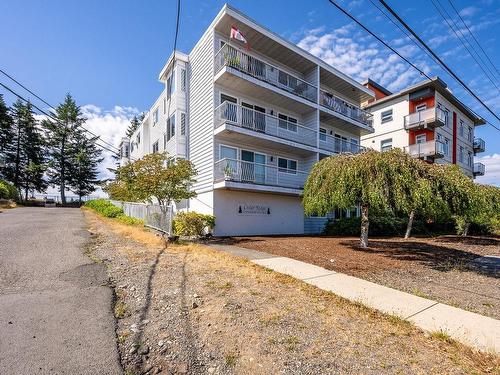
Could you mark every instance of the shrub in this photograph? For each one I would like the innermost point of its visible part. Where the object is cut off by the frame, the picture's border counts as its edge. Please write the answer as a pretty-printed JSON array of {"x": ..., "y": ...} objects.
[
  {"x": 129, "y": 220},
  {"x": 104, "y": 207},
  {"x": 192, "y": 224},
  {"x": 8, "y": 191}
]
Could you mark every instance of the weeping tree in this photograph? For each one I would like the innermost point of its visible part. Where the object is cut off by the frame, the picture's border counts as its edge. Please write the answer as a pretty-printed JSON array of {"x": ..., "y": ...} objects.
[{"x": 375, "y": 181}]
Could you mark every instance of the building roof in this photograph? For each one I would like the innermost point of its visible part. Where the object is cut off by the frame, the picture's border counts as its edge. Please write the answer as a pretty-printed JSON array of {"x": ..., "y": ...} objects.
[
  {"x": 440, "y": 86},
  {"x": 377, "y": 86},
  {"x": 168, "y": 65}
]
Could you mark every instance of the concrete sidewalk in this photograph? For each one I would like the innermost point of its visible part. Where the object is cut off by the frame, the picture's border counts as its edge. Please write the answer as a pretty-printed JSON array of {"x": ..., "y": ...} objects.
[{"x": 467, "y": 327}]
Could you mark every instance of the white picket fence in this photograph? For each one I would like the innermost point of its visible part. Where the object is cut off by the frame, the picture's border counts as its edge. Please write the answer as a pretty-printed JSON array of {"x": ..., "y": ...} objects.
[{"x": 154, "y": 216}]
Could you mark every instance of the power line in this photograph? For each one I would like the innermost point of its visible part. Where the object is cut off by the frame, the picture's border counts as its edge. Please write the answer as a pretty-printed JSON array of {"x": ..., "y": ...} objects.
[
  {"x": 461, "y": 38},
  {"x": 48, "y": 115},
  {"x": 473, "y": 36},
  {"x": 441, "y": 62},
  {"x": 51, "y": 106}
]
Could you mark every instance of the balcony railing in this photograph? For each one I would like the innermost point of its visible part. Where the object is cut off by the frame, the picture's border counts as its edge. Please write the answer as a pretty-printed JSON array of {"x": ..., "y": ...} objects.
[
  {"x": 479, "y": 145},
  {"x": 248, "y": 118},
  {"x": 338, "y": 145},
  {"x": 479, "y": 169},
  {"x": 237, "y": 59},
  {"x": 339, "y": 105},
  {"x": 259, "y": 174},
  {"x": 430, "y": 116},
  {"x": 432, "y": 149}
]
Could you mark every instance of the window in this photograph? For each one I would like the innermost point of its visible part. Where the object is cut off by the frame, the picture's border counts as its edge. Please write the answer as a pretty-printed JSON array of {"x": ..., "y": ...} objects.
[
  {"x": 322, "y": 134},
  {"x": 287, "y": 122},
  {"x": 183, "y": 79},
  {"x": 469, "y": 134},
  {"x": 354, "y": 145},
  {"x": 138, "y": 138},
  {"x": 164, "y": 105},
  {"x": 170, "y": 85},
  {"x": 421, "y": 138},
  {"x": 469, "y": 158},
  {"x": 183, "y": 123},
  {"x": 287, "y": 165},
  {"x": 155, "y": 147},
  {"x": 447, "y": 117},
  {"x": 155, "y": 116},
  {"x": 461, "y": 154},
  {"x": 447, "y": 147},
  {"x": 386, "y": 144},
  {"x": 170, "y": 127},
  {"x": 386, "y": 116},
  {"x": 461, "y": 128},
  {"x": 131, "y": 146},
  {"x": 421, "y": 107}
]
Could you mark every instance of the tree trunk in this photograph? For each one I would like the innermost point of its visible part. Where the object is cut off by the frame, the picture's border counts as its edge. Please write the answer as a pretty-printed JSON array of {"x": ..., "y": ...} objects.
[
  {"x": 466, "y": 230},
  {"x": 364, "y": 226},
  {"x": 410, "y": 224},
  {"x": 62, "y": 177},
  {"x": 26, "y": 193}
]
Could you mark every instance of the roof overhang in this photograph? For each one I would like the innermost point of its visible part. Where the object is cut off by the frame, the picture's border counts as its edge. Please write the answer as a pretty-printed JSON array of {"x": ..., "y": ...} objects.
[{"x": 176, "y": 55}]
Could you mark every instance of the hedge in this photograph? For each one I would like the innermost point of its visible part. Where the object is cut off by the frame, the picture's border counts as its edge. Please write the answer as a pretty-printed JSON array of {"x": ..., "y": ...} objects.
[
  {"x": 8, "y": 191},
  {"x": 191, "y": 224}
]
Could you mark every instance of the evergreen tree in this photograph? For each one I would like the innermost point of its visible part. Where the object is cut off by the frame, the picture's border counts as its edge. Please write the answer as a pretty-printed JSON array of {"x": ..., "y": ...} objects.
[
  {"x": 6, "y": 135},
  {"x": 62, "y": 142},
  {"x": 26, "y": 157},
  {"x": 86, "y": 157},
  {"x": 135, "y": 122}
]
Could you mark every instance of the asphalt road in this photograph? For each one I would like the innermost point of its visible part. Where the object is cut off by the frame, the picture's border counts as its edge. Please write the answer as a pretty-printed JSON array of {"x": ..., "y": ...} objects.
[{"x": 55, "y": 307}]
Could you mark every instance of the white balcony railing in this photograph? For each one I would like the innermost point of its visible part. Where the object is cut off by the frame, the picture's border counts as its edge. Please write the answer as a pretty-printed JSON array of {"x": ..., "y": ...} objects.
[
  {"x": 247, "y": 118},
  {"x": 257, "y": 68},
  {"x": 260, "y": 174},
  {"x": 479, "y": 169},
  {"x": 430, "y": 116},
  {"x": 433, "y": 149},
  {"x": 479, "y": 145},
  {"x": 339, "y": 105},
  {"x": 338, "y": 145}
]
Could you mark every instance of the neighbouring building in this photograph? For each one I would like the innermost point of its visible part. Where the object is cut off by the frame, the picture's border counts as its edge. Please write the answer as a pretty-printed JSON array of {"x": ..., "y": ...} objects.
[
  {"x": 427, "y": 121},
  {"x": 253, "y": 118}
]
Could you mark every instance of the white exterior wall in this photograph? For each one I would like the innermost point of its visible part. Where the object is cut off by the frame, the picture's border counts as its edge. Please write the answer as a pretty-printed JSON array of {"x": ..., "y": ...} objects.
[{"x": 286, "y": 214}]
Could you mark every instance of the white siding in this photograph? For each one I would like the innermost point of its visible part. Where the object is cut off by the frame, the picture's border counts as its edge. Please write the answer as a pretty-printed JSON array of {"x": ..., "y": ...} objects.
[{"x": 201, "y": 105}]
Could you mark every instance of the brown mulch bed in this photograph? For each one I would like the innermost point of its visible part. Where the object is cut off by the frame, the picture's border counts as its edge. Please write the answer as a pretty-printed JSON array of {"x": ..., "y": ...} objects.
[
  {"x": 436, "y": 268},
  {"x": 188, "y": 309}
]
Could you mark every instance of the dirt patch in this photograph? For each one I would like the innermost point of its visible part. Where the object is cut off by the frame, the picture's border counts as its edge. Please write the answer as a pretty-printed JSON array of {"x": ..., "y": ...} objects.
[
  {"x": 441, "y": 269},
  {"x": 190, "y": 309}
]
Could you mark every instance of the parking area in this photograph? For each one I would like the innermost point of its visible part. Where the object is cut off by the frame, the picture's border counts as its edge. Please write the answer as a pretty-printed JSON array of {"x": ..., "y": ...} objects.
[{"x": 448, "y": 269}]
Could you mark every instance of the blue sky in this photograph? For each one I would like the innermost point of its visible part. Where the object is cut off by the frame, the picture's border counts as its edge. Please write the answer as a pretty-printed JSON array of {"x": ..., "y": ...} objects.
[{"x": 108, "y": 53}]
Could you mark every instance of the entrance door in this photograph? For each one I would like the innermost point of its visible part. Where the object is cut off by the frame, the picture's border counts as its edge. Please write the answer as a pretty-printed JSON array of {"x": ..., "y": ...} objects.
[
  {"x": 229, "y": 165},
  {"x": 253, "y": 117},
  {"x": 253, "y": 167},
  {"x": 230, "y": 111}
]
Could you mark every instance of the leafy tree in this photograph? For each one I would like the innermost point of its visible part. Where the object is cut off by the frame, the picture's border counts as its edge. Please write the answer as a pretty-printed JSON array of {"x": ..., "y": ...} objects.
[
  {"x": 6, "y": 133},
  {"x": 63, "y": 138},
  {"x": 86, "y": 157},
  {"x": 154, "y": 177},
  {"x": 373, "y": 180}
]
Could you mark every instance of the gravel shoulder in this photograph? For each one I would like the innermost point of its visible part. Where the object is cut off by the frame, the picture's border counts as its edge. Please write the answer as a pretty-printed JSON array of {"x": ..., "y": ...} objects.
[
  {"x": 438, "y": 269},
  {"x": 191, "y": 309}
]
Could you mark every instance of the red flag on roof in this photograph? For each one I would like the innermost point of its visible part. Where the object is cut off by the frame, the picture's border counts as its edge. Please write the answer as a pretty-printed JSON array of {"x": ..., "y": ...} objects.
[{"x": 238, "y": 35}]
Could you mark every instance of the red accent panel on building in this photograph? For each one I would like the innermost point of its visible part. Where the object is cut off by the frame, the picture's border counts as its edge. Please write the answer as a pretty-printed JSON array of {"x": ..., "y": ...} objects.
[
  {"x": 378, "y": 94},
  {"x": 454, "y": 151},
  {"x": 429, "y": 101},
  {"x": 429, "y": 135}
]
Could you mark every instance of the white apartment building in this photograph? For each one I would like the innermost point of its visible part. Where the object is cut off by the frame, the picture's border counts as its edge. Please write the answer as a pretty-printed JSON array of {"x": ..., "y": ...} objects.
[
  {"x": 253, "y": 119},
  {"x": 427, "y": 121}
]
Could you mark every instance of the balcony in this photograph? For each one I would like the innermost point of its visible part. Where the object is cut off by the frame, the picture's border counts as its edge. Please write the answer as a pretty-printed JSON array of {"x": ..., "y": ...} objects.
[
  {"x": 478, "y": 145},
  {"x": 338, "y": 105},
  {"x": 430, "y": 149},
  {"x": 255, "y": 176},
  {"x": 231, "y": 57},
  {"x": 338, "y": 145},
  {"x": 428, "y": 118},
  {"x": 479, "y": 169},
  {"x": 262, "y": 123}
]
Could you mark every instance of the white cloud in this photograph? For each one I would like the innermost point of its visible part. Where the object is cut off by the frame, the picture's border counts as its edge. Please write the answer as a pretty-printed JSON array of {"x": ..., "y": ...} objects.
[
  {"x": 468, "y": 11},
  {"x": 492, "y": 169},
  {"x": 359, "y": 56}
]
